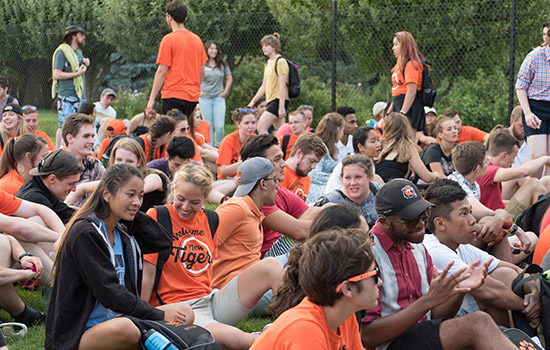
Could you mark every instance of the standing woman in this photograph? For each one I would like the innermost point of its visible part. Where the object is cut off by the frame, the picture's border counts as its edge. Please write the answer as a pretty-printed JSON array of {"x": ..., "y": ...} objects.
[
  {"x": 157, "y": 138},
  {"x": 407, "y": 80},
  {"x": 330, "y": 130},
  {"x": 213, "y": 93},
  {"x": 98, "y": 268},
  {"x": 533, "y": 90},
  {"x": 19, "y": 157},
  {"x": 273, "y": 85},
  {"x": 13, "y": 124}
]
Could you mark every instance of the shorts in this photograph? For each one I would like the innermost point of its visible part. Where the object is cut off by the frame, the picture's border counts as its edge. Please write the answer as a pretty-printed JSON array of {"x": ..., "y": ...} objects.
[
  {"x": 273, "y": 107},
  {"x": 186, "y": 107},
  {"x": 416, "y": 114},
  {"x": 423, "y": 335},
  {"x": 541, "y": 110},
  {"x": 67, "y": 106},
  {"x": 222, "y": 306},
  {"x": 514, "y": 208}
]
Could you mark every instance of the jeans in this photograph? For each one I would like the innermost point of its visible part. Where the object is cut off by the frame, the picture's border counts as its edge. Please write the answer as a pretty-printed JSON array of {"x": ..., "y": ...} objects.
[{"x": 213, "y": 111}]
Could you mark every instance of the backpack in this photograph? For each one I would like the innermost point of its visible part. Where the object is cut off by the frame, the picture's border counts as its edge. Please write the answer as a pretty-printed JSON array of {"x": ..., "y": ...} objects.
[
  {"x": 293, "y": 78},
  {"x": 428, "y": 92},
  {"x": 163, "y": 218},
  {"x": 530, "y": 218},
  {"x": 284, "y": 145}
]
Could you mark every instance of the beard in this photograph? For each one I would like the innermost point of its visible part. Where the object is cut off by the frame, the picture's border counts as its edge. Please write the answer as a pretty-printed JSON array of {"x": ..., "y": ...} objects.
[
  {"x": 300, "y": 172},
  {"x": 517, "y": 135}
]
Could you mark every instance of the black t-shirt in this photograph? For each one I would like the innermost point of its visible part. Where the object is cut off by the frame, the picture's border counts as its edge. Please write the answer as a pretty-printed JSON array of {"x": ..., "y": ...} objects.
[{"x": 434, "y": 154}]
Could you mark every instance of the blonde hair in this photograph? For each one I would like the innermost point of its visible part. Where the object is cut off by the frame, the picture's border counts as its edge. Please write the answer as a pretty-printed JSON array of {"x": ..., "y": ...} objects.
[
  {"x": 197, "y": 175},
  {"x": 359, "y": 160},
  {"x": 273, "y": 40},
  {"x": 21, "y": 129},
  {"x": 327, "y": 130},
  {"x": 437, "y": 125},
  {"x": 133, "y": 146},
  {"x": 397, "y": 137}
]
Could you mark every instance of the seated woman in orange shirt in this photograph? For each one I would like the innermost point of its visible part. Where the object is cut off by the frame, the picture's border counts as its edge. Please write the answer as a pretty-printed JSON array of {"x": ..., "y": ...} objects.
[
  {"x": 229, "y": 157},
  {"x": 157, "y": 138},
  {"x": 339, "y": 278},
  {"x": 209, "y": 154},
  {"x": 13, "y": 124},
  {"x": 19, "y": 157}
]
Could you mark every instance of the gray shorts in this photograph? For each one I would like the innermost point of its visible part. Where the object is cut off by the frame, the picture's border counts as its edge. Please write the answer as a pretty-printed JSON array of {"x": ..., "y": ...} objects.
[{"x": 223, "y": 306}]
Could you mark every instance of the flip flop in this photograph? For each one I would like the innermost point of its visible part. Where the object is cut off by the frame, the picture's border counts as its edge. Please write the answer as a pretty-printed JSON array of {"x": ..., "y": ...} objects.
[{"x": 12, "y": 329}]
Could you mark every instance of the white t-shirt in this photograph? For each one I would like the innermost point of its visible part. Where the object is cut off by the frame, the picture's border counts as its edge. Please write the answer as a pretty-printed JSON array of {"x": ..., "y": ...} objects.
[
  {"x": 104, "y": 112},
  {"x": 523, "y": 155},
  {"x": 343, "y": 151}
]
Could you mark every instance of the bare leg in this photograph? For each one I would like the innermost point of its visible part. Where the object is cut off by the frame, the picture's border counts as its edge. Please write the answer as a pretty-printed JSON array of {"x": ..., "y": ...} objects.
[
  {"x": 501, "y": 250},
  {"x": 538, "y": 146},
  {"x": 230, "y": 337},
  {"x": 9, "y": 299},
  {"x": 511, "y": 187},
  {"x": 47, "y": 262},
  {"x": 118, "y": 333},
  {"x": 58, "y": 139},
  {"x": 530, "y": 192},
  {"x": 266, "y": 120}
]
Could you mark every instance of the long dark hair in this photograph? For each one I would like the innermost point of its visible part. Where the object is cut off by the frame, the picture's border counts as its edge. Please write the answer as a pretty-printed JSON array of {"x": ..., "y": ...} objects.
[
  {"x": 220, "y": 63},
  {"x": 163, "y": 125},
  {"x": 16, "y": 148}
]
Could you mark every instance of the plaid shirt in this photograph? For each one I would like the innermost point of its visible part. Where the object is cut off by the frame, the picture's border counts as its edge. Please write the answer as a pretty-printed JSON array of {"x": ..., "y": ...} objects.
[{"x": 534, "y": 74}]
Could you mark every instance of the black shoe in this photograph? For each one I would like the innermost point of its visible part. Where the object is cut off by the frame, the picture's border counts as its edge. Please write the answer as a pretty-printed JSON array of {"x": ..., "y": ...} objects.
[{"x": 39, "y": 318}]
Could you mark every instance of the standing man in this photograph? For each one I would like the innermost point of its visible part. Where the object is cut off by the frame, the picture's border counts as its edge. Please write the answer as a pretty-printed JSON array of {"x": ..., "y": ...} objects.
[
  {"x": 4, "y": 97},
  {"x": 180, "y": 63},
  {"x": 68, "y": 68},
  {"x": 345, "y": 144}
]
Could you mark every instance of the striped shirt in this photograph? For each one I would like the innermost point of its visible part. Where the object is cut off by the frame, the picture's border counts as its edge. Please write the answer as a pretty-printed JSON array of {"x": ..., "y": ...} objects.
[
  {"x": 406, "y": 274},
  {"x": 534, "y": 74}
]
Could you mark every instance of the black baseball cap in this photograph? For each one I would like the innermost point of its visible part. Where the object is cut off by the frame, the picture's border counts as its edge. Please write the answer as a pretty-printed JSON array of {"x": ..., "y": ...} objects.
[
  {"x": 402, "y": 198},
  {"x": 59, "y": 162},
  {"x": 13, "y": 107}
]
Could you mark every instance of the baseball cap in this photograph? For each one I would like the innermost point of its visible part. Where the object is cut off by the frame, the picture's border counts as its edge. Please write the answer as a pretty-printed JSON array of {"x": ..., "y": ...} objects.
[
  {"x": 115, "y": 127},
  {"x": 378, "y": 107},
  {"x": 109, "y": 92},
  {"x": 402, "y": 198},
  {"x": 429, "y": 110},
  {"x": 59, "y": 162},
  {"x": 73, "y": 29},
  {"x": 13, "y": 107},
  {"x": 251, "y": 171}
]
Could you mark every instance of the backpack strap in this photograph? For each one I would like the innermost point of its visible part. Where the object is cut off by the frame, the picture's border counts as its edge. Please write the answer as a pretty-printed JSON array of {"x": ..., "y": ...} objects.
[
  {"x": 284, "y": 146},
  {"x": 10, "y": 99},
  {"x": 213, "y": 221},
  {"x": 373, "y": 189},
  {"x": 141, "y": 142},
  {"x": 163, "y": 218},
  {"x": 276, "y": 61}
]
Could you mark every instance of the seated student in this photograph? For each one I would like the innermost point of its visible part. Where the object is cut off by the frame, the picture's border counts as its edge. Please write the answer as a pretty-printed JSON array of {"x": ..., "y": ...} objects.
[
  {"x": 157, "y": 138},
  {"x": 182, "y": 129},
  {"x": 345, "y": 144},
  {"x": 10, "y": 253},
  {"x": 208, "y": 153},
  {"x": 180, "y": 150},
  {"x": 466, "y": 132},
  {"x": 285, "y": 128},
  {"x": 402, "y": 320},
  {"x": 52, "y": 181},
  {"x": 358, "y": 189},
  {"x": 229, "y": 158},
  {"x": 503, "y": 149},
  {"x": 366, "y": 142},
  {"x": 516, "y": 129},
  {"x": 98, "y": 268},
  {"x": 188, "y": 279},
  {"x": 13, "y": 124},
  {"x": 341, "y": 279},
  {"x": 30, "y": 116},
  {"x": 431, "y": 114},
  {"x": 305, "y": 154},
  {"x": 378, "y": 113},
  {"x": 241, "y": 218},
  {"x": 114, "y": 128},
  {"x": 88, "y": 108},
  {"x": 438, "y": 156},
  {"x": 201, "y": 127},
  {"x": 19, "y": 157},
  {"x": 453, "y": 228},
  {"x": 297, "y": 123},
  {"x": 141, "y": 123}
]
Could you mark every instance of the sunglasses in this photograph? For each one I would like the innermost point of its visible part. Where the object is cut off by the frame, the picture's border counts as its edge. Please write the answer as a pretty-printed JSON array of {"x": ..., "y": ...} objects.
[
  {"x": 247, "y": 110},
  {"x": 49, "y": 158},
  {"x": 29, "y": 107},
  {"x": 375, "y": 273},
  {"x": 422, "y": 217}
]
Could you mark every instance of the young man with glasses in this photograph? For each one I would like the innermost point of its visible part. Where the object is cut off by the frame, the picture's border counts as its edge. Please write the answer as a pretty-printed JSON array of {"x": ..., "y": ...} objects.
[
  {"x": 30, "y": 115},
  {"x": 413, "y": 305}
]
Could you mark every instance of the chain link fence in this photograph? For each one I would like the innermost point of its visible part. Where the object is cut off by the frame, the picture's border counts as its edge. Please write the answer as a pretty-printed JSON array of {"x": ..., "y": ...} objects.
[{"x": 469, "y": 44}]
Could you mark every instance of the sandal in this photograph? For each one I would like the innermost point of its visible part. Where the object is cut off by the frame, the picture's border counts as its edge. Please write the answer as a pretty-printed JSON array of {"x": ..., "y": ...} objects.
[{"x": 12, "y": 329}]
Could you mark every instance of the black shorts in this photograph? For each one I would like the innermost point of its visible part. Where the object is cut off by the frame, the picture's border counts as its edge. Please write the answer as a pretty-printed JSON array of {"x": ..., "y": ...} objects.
[
  {"x": 541, "y": 110},
  {"x": 273, "y": 107},
  {"x": 423, "y": 335},
  {"x": 416, "y": 114},
  {"x": 186, "y": 107}
]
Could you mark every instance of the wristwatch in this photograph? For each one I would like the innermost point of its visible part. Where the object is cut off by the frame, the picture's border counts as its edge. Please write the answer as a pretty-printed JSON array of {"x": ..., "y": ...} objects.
[
  {"x": 513, "y": 229},
  {"x": 22, "y": 256}
]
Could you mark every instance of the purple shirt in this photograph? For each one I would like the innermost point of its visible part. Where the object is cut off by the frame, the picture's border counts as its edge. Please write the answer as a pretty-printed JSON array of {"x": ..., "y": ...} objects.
[
  {"x": 534, "y": 74},
  {"x": 160, "y": 164}
]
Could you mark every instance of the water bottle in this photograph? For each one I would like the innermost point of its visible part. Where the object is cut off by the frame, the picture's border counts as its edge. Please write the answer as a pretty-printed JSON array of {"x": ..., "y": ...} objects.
[{"x": 154, "y": 340}]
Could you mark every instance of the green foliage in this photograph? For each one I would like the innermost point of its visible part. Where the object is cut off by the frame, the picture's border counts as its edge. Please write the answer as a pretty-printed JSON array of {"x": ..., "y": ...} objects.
[{"x": 130, "y": 102}]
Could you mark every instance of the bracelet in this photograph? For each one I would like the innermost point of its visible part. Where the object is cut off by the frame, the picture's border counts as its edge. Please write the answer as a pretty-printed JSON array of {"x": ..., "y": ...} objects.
[
  {"x": 513, "y": 229},
  {"x": 401, "y": 111},
  {"x": 22, "y": 256}
]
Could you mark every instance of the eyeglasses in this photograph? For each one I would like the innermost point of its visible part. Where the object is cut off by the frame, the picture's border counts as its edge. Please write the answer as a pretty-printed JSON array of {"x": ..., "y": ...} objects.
[
  {"x": 27, "y": 107},
  {"x": 247, "y": 110},
  {"x": 375, "y": 273},
  {"x": 422, "y": 217},
  {"x": 276, "y": 180}
]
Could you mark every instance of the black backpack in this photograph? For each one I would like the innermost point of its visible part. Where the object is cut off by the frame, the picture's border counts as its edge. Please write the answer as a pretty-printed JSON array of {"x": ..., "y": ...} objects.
[
  {"x": 293, "y": 78},
  {"x": 428, "y": 92},
  {"x": 163, "y": 218},
  {"x": 531, "y": 218}
]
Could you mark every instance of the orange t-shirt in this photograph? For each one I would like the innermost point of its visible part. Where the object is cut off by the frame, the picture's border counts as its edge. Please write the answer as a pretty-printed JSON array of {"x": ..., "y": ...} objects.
[
  {"x": 9, "y": 203},
  {"x": 183, "y": 52},
  {"x": 197, "y": 157},
  {"x": 11, "y": 182},
  {"x": 229, "y": 151},
  {"x": 412, "y": 75},
  {"x": 470, "y": 133},
  {"x": 188, "y": 271},
  {"x": 542, "y": 247},
  {"x": 240, "y": 237},
  {"x": 104, "y": 144},
  {"x": 203, "y": 131},
  {"x": 147, "y": 148},
  {"x": 291, "y": 142},
  {"x": 305, "y": 326},
  {"x": 296, "y": 184},
  {"x": 45, "y": 136}
]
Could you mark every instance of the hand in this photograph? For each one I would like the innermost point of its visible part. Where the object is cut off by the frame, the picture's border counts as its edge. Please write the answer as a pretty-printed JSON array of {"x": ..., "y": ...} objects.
[
  {"x": 437, "y": 176},
  {"x": 491, "y": 230},
  {"x": 32, "y": 261},
  {"x": 525, "y": 241},
  {"x": 178, "y": 312},
  {"x": 81, "y": 70},
  {"x": 201, "y": 94},
  {"x": 477, "y": 275},
  {"x": 532, "y": 305},
  {"x": 222, "y": 95},
  {"x": 86, "y": 61},
  {"x": 532, "y": 121},
  {"x": 282, "y": 112},
  {"x": 149, "y": 111},
  {"x": 443, "y": 287}
]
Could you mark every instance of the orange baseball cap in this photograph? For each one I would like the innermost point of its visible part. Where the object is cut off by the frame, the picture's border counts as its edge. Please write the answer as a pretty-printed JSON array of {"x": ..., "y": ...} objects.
[{"x": 115, "y": 127}]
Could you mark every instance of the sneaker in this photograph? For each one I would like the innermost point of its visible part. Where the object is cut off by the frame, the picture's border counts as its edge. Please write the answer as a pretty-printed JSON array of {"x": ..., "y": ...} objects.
[
  {"x": 38, "y": 319},
  {"x": 11, "y": 329}
]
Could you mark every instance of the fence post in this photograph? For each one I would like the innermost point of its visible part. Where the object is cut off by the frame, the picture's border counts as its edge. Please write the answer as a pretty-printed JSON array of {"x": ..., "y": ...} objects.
[
  {"x": 334, "y": 22},
  {"x": 512, "y": 80}
]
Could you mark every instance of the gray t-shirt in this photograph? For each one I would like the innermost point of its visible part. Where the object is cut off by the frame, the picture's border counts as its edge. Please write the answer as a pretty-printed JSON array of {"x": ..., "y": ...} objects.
[
  {"x": 212, "y": 84},
  {"x": 66, "y": 87}
]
